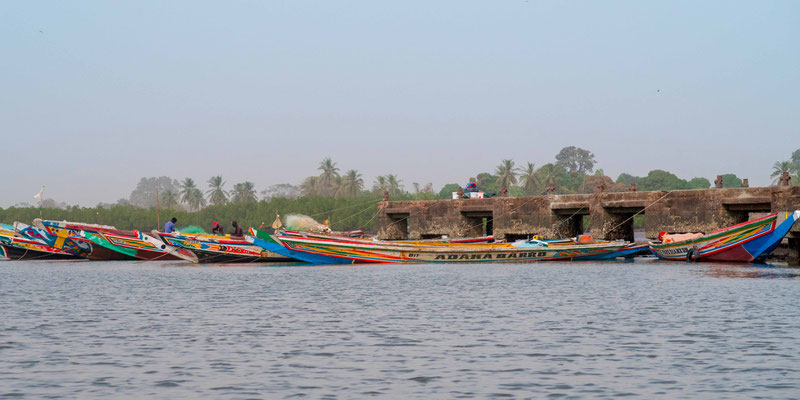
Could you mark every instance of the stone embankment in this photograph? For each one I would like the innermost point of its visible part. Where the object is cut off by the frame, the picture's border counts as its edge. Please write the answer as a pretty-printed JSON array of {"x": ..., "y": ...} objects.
[{"x": 607, "y": 215}]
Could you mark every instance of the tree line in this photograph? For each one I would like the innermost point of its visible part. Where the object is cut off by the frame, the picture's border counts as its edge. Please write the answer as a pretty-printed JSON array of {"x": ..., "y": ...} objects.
[{"x": 346, "y": 200}]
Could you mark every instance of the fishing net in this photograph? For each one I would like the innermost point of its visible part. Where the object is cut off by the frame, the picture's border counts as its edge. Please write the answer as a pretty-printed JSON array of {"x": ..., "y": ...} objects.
[
  {"x": 299, "y": 222},
  {"x": 192, "y": 229}
]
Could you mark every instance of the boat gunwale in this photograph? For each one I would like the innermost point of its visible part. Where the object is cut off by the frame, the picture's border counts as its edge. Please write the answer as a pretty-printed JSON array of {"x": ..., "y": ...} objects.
[
  {"x": 435, "y": 250},
  {"x": 719, "y": 233}
]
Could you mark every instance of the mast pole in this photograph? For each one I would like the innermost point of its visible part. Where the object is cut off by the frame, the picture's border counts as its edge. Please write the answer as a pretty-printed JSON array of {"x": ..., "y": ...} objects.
[{"x": 158, "y": 216}]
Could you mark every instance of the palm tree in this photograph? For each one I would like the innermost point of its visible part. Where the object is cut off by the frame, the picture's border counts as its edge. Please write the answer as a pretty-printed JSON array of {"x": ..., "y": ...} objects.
[
  {"x": 310, "y": 186},
  {"x": 191, "y": 195},
  {"x": 506, "y": 174},
  {"x": 327, "y": 178},
  {"x": 197, "y": 201},
  {"x": 779, "y": 168},
  {"x": 216, "y": 195},
  {"x": 351, "y": 184},
  {"x": 394, "y": 185},
  {"x": 380, "y": 185},
  {"x": 550, "y": 174},
  {"x": 244, "y": 192},
  {"x": 186, "y": 188},
  {"x": 169, "y": 199},
  {"x": 530, "y": 180}
]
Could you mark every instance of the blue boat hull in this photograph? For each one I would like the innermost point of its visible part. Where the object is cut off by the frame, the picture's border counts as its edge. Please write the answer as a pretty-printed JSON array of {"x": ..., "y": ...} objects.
[
  {"x": 614, "y": 254},
  {"x": 315, "y": 259}
]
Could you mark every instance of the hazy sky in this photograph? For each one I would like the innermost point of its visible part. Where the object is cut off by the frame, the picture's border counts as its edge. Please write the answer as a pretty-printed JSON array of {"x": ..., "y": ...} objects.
[{"x": 95, "y": 95}]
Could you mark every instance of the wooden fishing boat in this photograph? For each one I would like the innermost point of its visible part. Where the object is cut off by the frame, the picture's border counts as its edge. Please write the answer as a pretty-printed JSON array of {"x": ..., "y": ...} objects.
[
  {"x": 101, "y": 250},
  {"x": 629, "y": 251},
  {"x": 220, "y": 249},
  {"x": 463, "y": 240},
  {"x": 76, "y": 247},
  {"x": 751, "y": 241},
  {"x": 113, "y": 243},
  {"x": 406, "y": 243},
  {"x": 266, "y": 241},
  {"x": 389, "y": 252},
  {"x": 626, "y": 250},
  {"x": 18, "y": 247}
]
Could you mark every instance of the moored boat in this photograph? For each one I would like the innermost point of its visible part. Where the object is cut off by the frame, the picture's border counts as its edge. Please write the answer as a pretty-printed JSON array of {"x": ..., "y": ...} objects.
[
  {"x": 108, "y": 242},
  {"x": 65, "y": 243},
  {"x": 751, "y": 241},
  {"x": 629, "y": 251},
  {"x": 267, "y": 242},
  {"x": 220, "y": 249},
  {"x": 390, "y": 252},
  {"x": 18, "y": 247},
  {"x": 406, "y": 243}
]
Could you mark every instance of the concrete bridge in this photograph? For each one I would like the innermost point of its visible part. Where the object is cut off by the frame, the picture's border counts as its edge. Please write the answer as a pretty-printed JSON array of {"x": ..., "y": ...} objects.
[{"x": 607, "y": 215}]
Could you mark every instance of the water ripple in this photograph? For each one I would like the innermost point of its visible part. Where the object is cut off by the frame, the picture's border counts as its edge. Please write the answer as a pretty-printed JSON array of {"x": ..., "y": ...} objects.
[{"x": 555, "y": 330}]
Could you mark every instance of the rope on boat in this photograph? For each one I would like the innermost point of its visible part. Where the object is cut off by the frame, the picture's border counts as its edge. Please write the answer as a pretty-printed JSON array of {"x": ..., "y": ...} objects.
[
  {"x": 574, "y": 214},
  {"x": 373, "y": 218},
  {"x": 343, "y": 208},
  {"x": 351, "y": 216},
  {"x": 556, "y": 226},
  {"x": 648, "y": 206},
  {"x": 471, "y": 226},
  {"x": 35, "y": 257},
  {"x": 502, "y": 213}
]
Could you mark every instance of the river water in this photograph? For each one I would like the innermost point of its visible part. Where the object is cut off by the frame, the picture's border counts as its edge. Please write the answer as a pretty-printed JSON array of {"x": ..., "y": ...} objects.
[{"x": 643, "y": 329}]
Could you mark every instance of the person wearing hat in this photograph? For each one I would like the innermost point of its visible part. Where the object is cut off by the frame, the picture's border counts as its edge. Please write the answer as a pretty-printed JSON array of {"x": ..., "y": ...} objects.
[{"x": 216, "y": 228}]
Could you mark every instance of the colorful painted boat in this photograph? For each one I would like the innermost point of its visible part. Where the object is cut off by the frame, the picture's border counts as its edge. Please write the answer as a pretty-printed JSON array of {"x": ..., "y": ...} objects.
[
  {"x": 221, "y": 249},
  {"x": 751, "y": 241},
  {"x": 384, "y": 252},
  {"x": 109, "y": 242},
  {"x": 406, "y": 243},
  {"x": 631, "y": 250},
  {"x": 18, "y": 247},
  {"x": 462, "y": 240},
  {"x": 101, "y": 250},
  {"x": 77, "y": 247},
  {"x": 267, "y": 242}
]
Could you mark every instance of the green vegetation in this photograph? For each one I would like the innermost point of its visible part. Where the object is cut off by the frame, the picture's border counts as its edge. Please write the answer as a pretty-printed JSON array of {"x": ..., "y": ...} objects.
[
  {"x": 731, "y": 181},
  {"x": 663, "y": 180},
  {"x": 576, "y": 160},
  {"x": 344, "y": 200},
  {"x": 191, "y": 195},
  {"x": 344, "y": 213},
  {"x": 244, "y": 192},
  {"x": 216, "y": 194},
  {"x": 790, "y": 166}
]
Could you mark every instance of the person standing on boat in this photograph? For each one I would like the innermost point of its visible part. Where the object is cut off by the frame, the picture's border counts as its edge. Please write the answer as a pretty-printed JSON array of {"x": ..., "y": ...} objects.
[
  {"x": 237, "y": 230},
  {"x": 216, "y": 229},
  {"x": 169, "y": 227}
]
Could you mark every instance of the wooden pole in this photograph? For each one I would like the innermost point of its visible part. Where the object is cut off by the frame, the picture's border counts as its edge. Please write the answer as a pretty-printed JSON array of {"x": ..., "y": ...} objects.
[
  {"x": 41, "y": 203},
  {"x": 158, "y": 216}
]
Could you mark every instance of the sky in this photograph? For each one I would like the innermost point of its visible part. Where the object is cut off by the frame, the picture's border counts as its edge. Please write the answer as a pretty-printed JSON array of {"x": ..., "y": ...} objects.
[{"x": 95, "y": 95}]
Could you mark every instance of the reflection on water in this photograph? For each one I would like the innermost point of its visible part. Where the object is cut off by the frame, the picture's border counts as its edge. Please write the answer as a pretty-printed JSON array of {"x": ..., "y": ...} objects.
[
  {"x": 753, "y": 271},
  {"x": 645, "y": 329}
]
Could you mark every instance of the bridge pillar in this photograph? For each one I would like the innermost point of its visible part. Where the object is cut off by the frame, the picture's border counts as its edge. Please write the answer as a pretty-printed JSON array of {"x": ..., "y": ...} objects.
[
  {"x": 793, "y": 257},
  {"x": 608, "y": 225}
]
